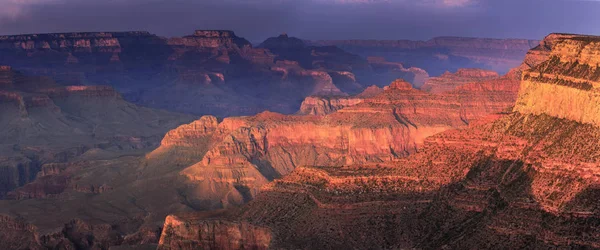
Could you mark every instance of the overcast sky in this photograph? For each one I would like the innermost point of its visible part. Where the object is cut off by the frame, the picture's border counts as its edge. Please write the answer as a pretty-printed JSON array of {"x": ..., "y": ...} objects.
[{"x": 309, "y": 19}]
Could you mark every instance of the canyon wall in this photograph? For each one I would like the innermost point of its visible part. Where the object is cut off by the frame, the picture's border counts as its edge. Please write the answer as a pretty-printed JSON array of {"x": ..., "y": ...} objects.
[
  {"x": 442, "y": 54},
  {"x": 572, "y": 71},
  {"x": 449, "y": 81},
  {"x": 44, "y": 122},
  {"x": 243, "y": 154},
  {"x": 208, "y": 72},
  {"x": 512, "y": 180}
]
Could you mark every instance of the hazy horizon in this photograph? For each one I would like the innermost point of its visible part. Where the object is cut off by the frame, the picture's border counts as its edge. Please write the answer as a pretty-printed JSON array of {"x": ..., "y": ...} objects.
[{"x": 257, "y": 20}]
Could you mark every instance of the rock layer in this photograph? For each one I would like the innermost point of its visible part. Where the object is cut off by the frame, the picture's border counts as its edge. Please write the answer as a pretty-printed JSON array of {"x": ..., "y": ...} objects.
[
  {"x": 442, "y": 54},
  {"x": 245, "y": 153},
  {"x": 518, "y": 180},
  {"x": 449, "y": 81},
  {"x": 209, "y": 72},
  {"x": 573, "y": 71}
]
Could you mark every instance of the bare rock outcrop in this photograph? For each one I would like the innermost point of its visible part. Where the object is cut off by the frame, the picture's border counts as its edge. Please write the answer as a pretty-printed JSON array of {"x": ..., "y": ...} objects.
[
  {"x": 442, "y": 54},
  {"x": 449, "y": 81},
  {"x": 571, "y": 70},
  {"x": 213, "y": 235},
  {"x": 525, "y": 179}
]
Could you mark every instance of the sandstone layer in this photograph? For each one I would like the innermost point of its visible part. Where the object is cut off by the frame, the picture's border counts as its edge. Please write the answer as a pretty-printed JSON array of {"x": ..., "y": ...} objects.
[
  {"x": 450, "y": 81},
  {"x": 572, "y": 71},
  {"x": 513, "y": 180},
  {"x": 244, "y": 153}
]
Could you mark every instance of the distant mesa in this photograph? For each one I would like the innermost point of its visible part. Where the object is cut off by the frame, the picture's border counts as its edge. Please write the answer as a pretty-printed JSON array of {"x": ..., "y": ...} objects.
[
  {"x": 400, "y": 84},
  {"x": 283, "y": 42},
  {"x": 450, "y": 81}
]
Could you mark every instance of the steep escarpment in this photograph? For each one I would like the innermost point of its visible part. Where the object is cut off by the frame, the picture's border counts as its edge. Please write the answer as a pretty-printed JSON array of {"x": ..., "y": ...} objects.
[
  {"x": 245, "y": 153},
  {"x": 572, "y": 70},
  {"x": 442, "y": 54},
  {"x": 449, "y": 81},
  {"x": 211, "y": 72},
  {"x": 323, "y": 105},
  {"x": 473, "y": 94},
  {"x": 228, "y": 235},
  {"x": 350, "y": 73},
  {"x": 513, "y": 180},
  {"x": 493, "y": 185}
]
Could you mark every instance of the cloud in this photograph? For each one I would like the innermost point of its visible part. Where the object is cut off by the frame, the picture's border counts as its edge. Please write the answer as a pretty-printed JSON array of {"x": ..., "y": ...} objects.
[
  {"x": 458, "y": 3},
  {"x": 12, "y": 9}
]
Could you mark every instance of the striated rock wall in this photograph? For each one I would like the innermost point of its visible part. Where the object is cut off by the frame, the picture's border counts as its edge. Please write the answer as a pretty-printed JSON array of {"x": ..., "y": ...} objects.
[
  {"x": 571, "y": 69},
  {"x": 244, "y": 153},
  {"x": 450, "y": 81},
  {"x": 315, "y": 105},
  {"x": 519, "y": 180},
  {"x": 211, "y": 39},
  {"x": 190, "y": 133},
  {"x": 499, "y": 184},
  {"x": 212, "y": 235}
]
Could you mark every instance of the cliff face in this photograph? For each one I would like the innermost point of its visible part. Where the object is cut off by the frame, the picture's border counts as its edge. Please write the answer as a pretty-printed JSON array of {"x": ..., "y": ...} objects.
[
  {"x": 323, "y": 105},
  {"x": 475, "y": 93},
  {"x": 572, "y": 70},
  {"x": 241, "y": 154},
  {"x": 518, "y": 180},
  {"x": 449, "y": 81},
  {"x": 443, "y": 53},
  {"x": 209, "y": 72},
  {"x": 214, "y": 235}
]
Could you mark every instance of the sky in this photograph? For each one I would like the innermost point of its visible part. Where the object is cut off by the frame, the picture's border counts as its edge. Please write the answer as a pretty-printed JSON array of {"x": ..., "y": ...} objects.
[{"x": 308, "y": 19}]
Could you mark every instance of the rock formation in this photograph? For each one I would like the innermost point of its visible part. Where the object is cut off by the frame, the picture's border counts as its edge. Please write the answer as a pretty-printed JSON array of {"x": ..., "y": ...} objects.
[
  {"x": 77, "y": 177},
  {"x": 209, "y": 72},
  {"x": 526, "y": 179},
  {"x": 449, "y": 81},
  {"x": 45, "y": 123},
  {"x": 442, "y": 54},
  {"x": 572, "y": 71},
  {"x": 323, "y": 105},
  {"x": 244, "y": 153}
]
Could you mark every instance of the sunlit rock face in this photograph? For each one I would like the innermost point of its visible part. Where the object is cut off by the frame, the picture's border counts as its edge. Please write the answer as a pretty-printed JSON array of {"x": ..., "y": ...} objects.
[
  {"x": 242, "y": 154},
  {"x": 449, "y": 81},
  {"x": 215, "y": 235},
  {"x": 323, "y": 105},
  {"x": 571, "y": 70},
  {"x": 526, "y": 179}
]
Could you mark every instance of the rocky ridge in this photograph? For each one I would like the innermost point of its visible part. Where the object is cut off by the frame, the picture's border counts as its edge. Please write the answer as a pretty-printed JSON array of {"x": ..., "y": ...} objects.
[
  {"x": 449, "y": 81},
  {"x": 209, "y": 72},
  {"x": 513, "y": 180},
  {"x": 442, "y": 54}
]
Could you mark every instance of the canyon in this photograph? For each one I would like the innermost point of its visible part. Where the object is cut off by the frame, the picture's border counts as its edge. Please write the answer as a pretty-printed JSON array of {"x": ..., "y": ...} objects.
[
  {"x": 85, "y": 168},
  {"x": 43, "y": 122},
  {"x": 213, "y": 164},
  {"x": 209, "y": 72},
  {"x": 442, "y": 54},
  {"x": 216, "y": 72},
  {"x": 523, "y": 178}
]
